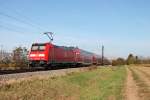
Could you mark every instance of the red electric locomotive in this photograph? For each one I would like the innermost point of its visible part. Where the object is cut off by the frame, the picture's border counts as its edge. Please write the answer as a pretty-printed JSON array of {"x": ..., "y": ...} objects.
[{"x": 48, "y": 55}]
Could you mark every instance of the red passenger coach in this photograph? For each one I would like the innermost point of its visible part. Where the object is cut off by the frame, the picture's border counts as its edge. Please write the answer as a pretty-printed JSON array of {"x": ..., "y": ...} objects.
[{"x": 48, "y": 55}]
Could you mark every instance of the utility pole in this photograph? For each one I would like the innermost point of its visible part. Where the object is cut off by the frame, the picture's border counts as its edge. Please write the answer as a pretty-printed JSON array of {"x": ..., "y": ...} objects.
[{"x": 102, "y": 55}]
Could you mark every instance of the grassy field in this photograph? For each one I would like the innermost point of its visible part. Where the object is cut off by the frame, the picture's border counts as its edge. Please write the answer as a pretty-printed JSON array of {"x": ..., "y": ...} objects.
[{"x": 98, "y": 84}]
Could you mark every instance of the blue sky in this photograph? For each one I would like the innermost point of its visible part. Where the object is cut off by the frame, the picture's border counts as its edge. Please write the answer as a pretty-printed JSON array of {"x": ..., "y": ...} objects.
[{"x": 123, "y": 26}]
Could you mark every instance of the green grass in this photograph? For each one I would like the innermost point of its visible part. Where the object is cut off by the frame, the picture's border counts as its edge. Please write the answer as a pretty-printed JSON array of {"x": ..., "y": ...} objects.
[{"x": 99, "y": 84}]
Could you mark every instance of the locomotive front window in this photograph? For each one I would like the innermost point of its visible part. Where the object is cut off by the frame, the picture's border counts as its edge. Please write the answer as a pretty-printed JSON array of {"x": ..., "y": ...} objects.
[
  {"x": 38, "y": 47},
  {"x": 34, "y": 48},
  {"x": 42, "y": 48}
]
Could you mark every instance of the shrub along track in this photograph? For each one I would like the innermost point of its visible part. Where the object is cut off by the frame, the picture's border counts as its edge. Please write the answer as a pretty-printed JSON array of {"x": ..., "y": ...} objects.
[{"x": 142, "y": 80}]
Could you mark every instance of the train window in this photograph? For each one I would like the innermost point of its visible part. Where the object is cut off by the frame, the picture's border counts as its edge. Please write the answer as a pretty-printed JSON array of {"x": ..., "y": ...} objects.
[
  {"x": 42, "y": 48},
  {"x": 34, "y": 48}
]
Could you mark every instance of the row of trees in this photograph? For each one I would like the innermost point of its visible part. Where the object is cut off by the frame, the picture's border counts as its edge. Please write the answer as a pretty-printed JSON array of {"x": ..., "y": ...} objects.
[
  {"x": 131, "y": 59},
  {"x": 17, "y": 58}
]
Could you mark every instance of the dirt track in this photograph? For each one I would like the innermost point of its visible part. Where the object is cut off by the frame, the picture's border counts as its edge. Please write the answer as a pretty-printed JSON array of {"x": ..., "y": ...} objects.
[
  {"x": 138, "y": 83},
  {"x": 131, "y": 88}
]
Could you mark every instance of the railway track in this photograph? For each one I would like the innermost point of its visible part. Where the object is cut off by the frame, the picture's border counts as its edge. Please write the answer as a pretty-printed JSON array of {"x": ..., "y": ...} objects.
[
  {"x": 23, "y": 75},
  {"x": 26, "y": 69},
  {"x": 4, "y": 72}
]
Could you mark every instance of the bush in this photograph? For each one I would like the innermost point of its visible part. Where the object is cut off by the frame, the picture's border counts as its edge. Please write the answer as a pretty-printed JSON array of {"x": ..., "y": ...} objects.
[{"x": 119, "y": 61}]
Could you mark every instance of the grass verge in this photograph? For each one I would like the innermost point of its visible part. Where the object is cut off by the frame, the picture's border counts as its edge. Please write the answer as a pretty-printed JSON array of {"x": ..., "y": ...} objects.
[{"x": 99, "y": 84}]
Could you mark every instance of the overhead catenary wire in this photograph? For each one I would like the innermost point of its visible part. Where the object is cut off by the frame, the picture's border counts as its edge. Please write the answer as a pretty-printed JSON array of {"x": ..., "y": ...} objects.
[
  {"x": 10, "y": 29},
  {"x": 29, "y": 20},
  {"x": 5, "y": 27},
  {"x": 8, "y": 24},
  {"x": 19, "y": 17},
  {"x": 19, "y": 20}
]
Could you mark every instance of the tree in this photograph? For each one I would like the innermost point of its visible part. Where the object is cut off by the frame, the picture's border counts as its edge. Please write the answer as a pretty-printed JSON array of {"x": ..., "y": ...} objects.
[
  {"x": 20, "y": 56},
  {"x": 121, "y": 61},
  {"x": 138, "y": 60},
  {"x": 131, "y": 59},
  {"x": 114, "y": 62},
  {"x": 118, "y": 61}
]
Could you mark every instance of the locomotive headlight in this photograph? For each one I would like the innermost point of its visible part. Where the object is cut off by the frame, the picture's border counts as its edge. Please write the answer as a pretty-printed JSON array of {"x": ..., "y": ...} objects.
[
  {"x": 32, "y": 55},
  {"x": 41, "y": 55}
]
